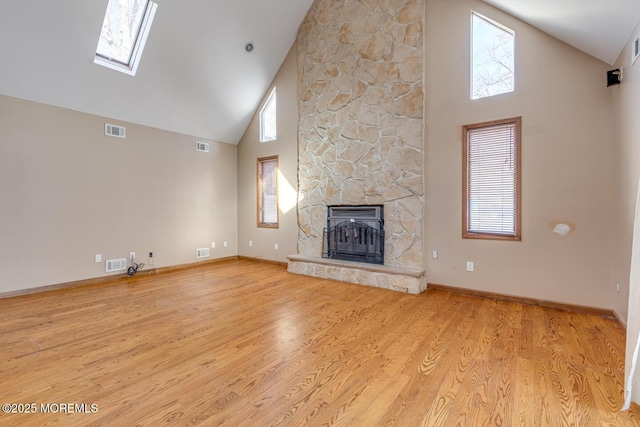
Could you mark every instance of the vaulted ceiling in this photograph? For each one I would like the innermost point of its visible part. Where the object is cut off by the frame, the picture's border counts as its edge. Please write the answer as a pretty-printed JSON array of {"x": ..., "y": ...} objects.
[
  {"x": 195, "y": 76},
  {"x": 598, "y": 27}
]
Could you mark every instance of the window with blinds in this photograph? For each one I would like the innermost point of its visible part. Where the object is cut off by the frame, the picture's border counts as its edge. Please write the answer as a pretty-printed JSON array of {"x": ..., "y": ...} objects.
[
  {"x": 491, "y": 180},
  {"x": 268, "y": 192}
]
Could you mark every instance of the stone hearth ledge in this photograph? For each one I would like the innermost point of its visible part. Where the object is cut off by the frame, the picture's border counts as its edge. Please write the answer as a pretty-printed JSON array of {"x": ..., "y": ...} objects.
[{"x": 402, "y": 279}]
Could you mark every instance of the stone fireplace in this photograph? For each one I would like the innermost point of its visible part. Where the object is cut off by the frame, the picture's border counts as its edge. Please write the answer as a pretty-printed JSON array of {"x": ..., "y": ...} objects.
[
  {"x": 355, "y": 233},
  {"x": 360, "y": 134}
]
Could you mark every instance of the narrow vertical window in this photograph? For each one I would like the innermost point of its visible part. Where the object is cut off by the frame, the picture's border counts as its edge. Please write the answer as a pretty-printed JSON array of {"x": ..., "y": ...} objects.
[
  {"x": 268, "y": 119},
  {"x": 124, "y": 33},
  {"x": 268, "y": 192},
  {"x": 492, "y": 58},
  {"x": 491, "y": 180}
]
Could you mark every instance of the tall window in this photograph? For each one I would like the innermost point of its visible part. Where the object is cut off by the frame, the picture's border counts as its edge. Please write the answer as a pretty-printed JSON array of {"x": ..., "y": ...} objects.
[
  {"x": 491, "y": 180},
  {"x": 492, "y": 58},
  {"x": 268, "y": 118},
  {"x": 124, "y": 33},
  {"x": 268, "y": 192}
]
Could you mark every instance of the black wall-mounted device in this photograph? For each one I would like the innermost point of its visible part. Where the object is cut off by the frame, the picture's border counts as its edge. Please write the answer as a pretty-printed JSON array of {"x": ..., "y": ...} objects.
[{"x": 614, "y": 77}]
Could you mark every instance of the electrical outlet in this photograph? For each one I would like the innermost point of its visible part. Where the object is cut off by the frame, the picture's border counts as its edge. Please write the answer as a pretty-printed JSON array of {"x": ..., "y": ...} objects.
[
  {"x": 132, "y": 255},
  {"x": 150, "y": 254},
  {"x": 213, "y": 245},
  {"x": 98, "y": 258},
  {"x": 617, "y": 287},
  {"x": 434, "y": 254},
  {"x": 275, "y": 246},
  {"x": 470, "y": 266},
  {"x": 250, "y": 242},
  {"x": 225, "y": 244}
]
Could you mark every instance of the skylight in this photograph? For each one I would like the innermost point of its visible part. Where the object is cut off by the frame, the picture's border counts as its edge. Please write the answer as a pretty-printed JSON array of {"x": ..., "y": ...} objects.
[{"x": 124, "y": 32}]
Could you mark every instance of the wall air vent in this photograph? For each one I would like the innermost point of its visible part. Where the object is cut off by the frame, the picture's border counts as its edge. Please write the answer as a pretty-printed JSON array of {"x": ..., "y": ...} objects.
[
  {"x": 113, "y": 130},
  {"x": 116, "y": 265},
  {"x": 635, "y": 49},
  {"x": 202, "y": 146},
  {"x": 202, "y": 253}
]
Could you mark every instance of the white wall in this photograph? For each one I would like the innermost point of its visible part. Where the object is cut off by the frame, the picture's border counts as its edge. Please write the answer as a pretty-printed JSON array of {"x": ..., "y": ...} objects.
[
  {"x": 286, "y": 148},
  {"x": 567, "y": 170},
  {"x": 69, "y": 192},
  {"x": 626, "y": 104}
]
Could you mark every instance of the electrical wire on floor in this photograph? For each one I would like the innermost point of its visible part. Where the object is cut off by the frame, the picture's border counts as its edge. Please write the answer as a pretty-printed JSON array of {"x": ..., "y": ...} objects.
[{"x": 135, "y": 267}]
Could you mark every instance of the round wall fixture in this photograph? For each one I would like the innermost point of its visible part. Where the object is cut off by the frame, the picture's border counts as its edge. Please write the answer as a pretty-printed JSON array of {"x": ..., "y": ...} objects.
[{"x": 248, "y": 47}]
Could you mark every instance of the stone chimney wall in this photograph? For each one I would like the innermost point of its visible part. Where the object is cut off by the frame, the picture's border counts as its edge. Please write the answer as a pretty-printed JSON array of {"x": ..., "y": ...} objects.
[{"x": 361, "y": 106}]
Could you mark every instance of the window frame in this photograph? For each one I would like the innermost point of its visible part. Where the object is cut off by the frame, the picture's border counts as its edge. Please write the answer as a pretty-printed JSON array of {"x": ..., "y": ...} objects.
[
  {"x": 260, "y": 192},
  {"x": 471, "y": 56},
  {"x": 135, "y": 55},
  {"x": 467, "y": 232},
  {"x": 271, "y": 99}
]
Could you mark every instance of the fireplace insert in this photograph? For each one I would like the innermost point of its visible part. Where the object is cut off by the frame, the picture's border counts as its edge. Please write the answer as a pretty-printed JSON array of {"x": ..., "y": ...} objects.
[{"x": 355, "y": 233}]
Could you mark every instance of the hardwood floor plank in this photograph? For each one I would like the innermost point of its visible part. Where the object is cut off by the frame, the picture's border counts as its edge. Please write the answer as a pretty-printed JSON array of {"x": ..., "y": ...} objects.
[{"x": 243, "y": 343}]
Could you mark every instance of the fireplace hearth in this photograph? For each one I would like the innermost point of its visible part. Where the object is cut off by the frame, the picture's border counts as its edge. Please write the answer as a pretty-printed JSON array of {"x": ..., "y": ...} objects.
[{"x": 355, "y": 233}]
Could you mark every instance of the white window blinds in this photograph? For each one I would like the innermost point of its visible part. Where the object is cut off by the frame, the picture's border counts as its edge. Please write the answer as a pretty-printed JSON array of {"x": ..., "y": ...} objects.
[{"x": 492, "y": 180}]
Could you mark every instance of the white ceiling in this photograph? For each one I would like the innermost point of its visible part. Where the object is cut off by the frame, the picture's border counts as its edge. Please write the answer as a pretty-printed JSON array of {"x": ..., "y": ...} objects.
[
  {"x": 194, "y": 76},
  {"x": 598, "y": 27}
]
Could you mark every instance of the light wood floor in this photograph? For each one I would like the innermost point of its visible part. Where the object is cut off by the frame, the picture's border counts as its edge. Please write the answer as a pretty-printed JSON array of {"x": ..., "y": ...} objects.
[{"x": 241, "y": 343}]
